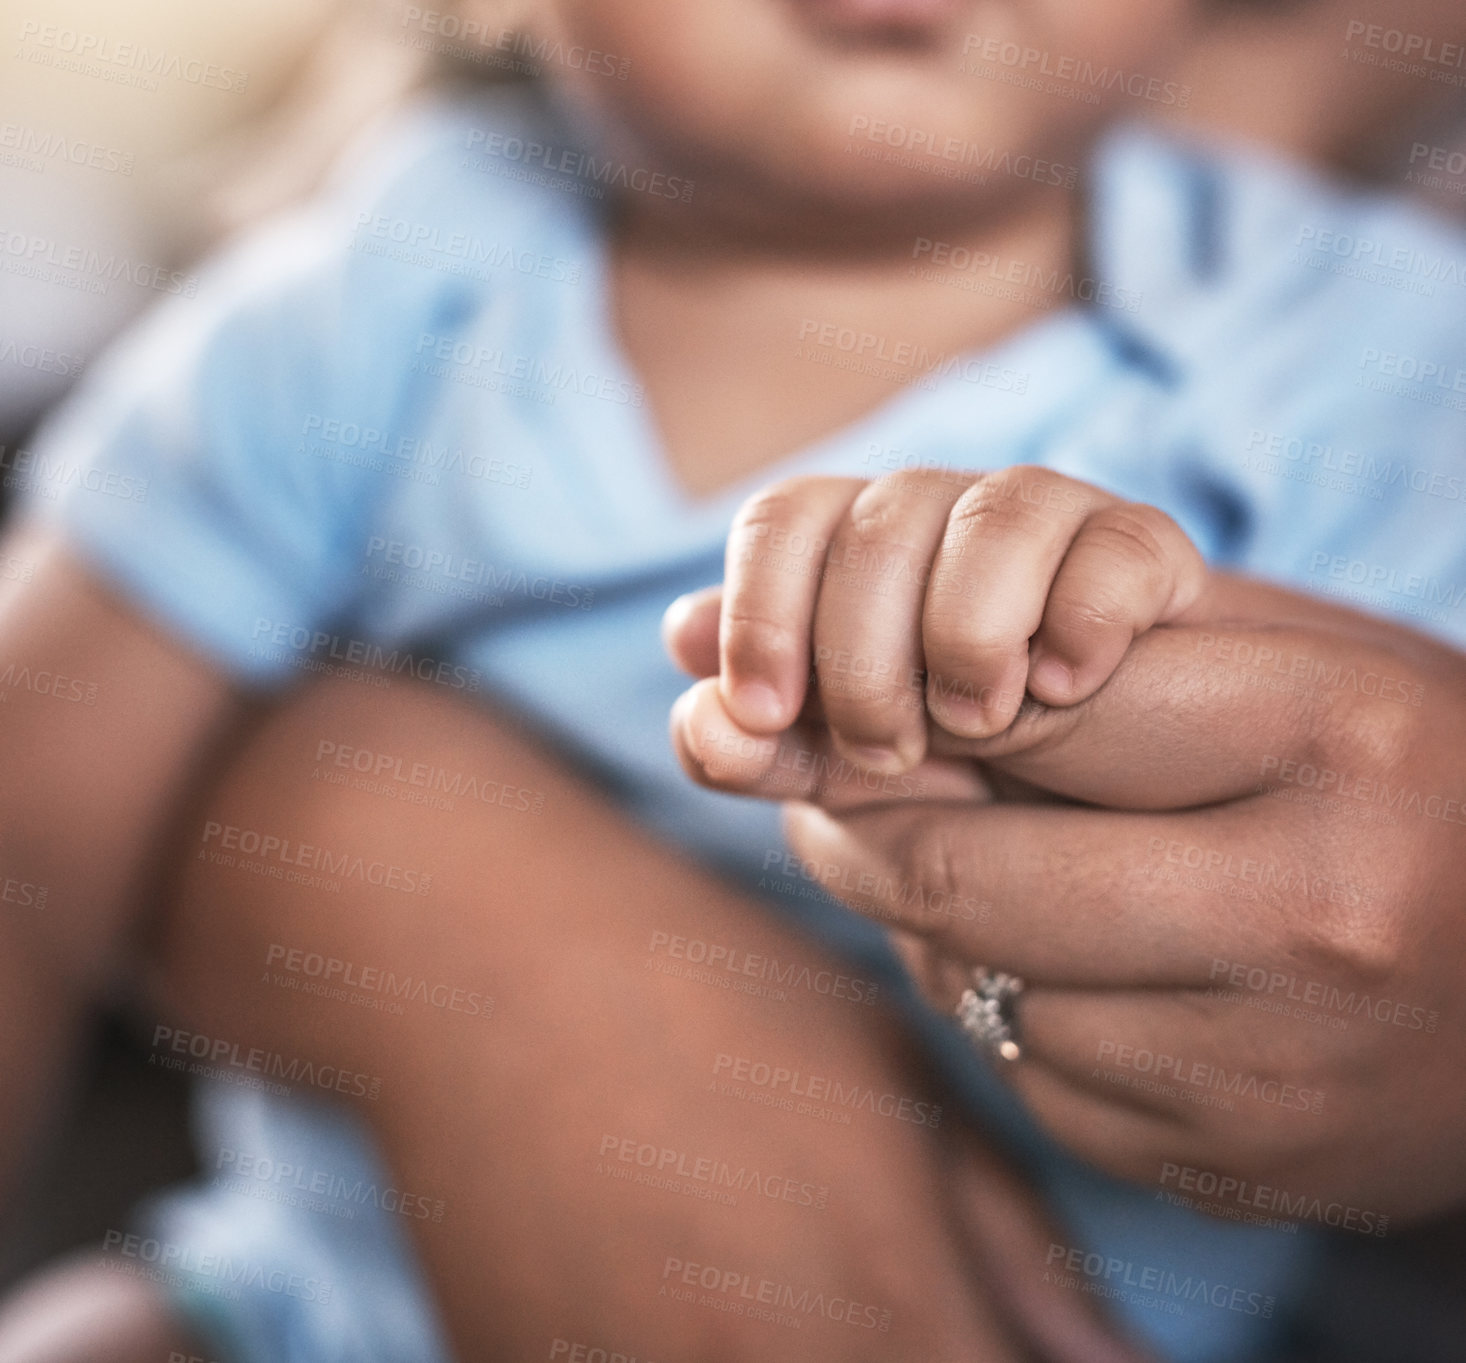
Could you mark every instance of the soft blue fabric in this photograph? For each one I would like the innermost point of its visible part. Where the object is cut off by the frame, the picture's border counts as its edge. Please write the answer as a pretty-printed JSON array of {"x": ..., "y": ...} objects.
[{"x": 323, "y": 488}]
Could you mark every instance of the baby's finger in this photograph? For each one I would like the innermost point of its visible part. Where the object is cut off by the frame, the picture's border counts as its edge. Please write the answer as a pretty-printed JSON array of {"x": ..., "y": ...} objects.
[
  {"x": 1006, "y": 537},
  {"x": 775, "y": 560},
  {"x": 719, "y": 753},
  {"x": 867, "y": 629},
  {"x": 1130, "y": 567},
  {"x": 690, "y": 631},
  {"x": 800, "y": 763}
]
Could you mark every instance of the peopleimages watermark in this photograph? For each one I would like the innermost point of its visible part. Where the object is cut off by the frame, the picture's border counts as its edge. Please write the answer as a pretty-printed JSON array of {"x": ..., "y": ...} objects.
[
  {"x": 422, "y": 566},
  {"x": 950, "y": 156},
  {"x": 217, "y": 1058},
  {"x": 412, "y": 458},
  {"x": 740, "y": 1293},
  {"x": 1436, "y": 383},
  {"x": 23, "y": 894},
  {"x": 1105, "y": 1275},
  {"x": 821, "y": 1096},
  {"x": 1381, "y": 582},
  {"x": 901, "y": 361},
  {"x": 23, "y": 147},
  {"x": 800, "y": 769},
  {"x": 1250, "y": 655},
  {"x": 1273, "y": 990},
  {"x": 48, "y": 260},
  {"x": 1444, "y": 168},
  {"x": 577, "y": 1351},
  {"x": 514, "y": 49},
  {"x": 1259, "y": 1204},
  {"x": 1358, "y": 473},
  {"x": 44, "y": 682},
  {"x": 430, "y": 245},
  {"x": 1375, "y": 262},
  {"x": 180, "y": 1265},
  {"x": 299, "y": 1185},
  {"x": 303, "y": 863},
  {"x": 755, "y": 965},
  {"x": 706, "y": 1177},
  {"x": 567, "y": 168},
  {"x": 535, "y": 376},
  {"x": 887, "y": 897},
  {"x": 400, "y": 778},
  {"x": 1020, "y": 280},
  {"x": 40, "y": 359},
  {"x": 375, "y": 986},
  {"x": 319, "y": 650},
  {"x": 1367, "y": 792},
  {"x": 46, "y": 474},
  {"x": 1077, "y": 78},
  {"x": 121, "y": 63},
  {"x": 1213, "y": 868},
  {"x": 1398, "y": 49},
  {"x": 1199, "y": 1079}
]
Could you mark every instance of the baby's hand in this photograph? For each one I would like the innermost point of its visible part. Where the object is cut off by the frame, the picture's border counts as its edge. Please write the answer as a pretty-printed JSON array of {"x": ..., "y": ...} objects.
[{"x": 926, "y": 592}]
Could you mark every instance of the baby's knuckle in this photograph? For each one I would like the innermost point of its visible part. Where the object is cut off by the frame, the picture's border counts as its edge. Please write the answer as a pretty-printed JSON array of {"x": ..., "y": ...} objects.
[
  {"x": 963, "y": 647},
  {"x": 1133, "y": 531},
  {"x": 779, "y": 504},
  {"x": 750, "y": 638},
  {"x": 1084, "y": 617},
  {"x": 990, "y": 506},
  {"x": 879, "y": 517}
]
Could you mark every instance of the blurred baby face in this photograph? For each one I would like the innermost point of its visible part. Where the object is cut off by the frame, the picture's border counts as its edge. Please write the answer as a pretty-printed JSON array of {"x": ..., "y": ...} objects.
[{"x": 866, "y": 106}]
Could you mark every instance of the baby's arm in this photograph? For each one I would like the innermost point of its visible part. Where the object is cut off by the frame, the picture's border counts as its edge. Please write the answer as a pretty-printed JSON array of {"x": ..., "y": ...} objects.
[{"x": 103, "y": 722}]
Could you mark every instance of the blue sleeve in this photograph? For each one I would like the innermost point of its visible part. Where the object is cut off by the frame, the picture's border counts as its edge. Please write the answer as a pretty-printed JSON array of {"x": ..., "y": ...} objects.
[
  {"x": 1354, "y": 476},
  {"x": 1326, "y": 443},
  {"x": 187, "y": 469}
]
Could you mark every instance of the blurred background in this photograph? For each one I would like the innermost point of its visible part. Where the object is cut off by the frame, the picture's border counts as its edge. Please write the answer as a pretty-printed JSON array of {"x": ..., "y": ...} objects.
[{"x": 145, "y": 177}]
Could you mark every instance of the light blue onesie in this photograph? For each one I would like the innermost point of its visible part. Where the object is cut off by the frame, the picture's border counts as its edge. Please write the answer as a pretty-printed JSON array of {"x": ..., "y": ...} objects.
[{"x": 398, "y": 426}]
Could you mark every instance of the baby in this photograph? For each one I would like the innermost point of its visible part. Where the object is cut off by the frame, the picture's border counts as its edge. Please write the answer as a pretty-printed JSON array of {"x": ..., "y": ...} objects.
[{"x": 480, "y": 414}]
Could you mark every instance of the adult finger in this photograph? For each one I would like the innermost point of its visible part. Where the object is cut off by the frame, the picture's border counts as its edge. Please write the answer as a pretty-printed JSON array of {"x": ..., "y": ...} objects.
[
  {"x": 1174, "y": 727},
  {"x": 1070, "y": 896},
  {"x": 1190, "y": 1054}
]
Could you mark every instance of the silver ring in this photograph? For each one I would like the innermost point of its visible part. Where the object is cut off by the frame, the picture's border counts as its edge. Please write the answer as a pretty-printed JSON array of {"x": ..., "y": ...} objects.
[{"x": 986, "y": 1012}]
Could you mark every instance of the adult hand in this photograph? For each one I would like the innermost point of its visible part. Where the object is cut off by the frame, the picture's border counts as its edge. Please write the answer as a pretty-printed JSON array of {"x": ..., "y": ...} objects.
[{"x": 1232, "y": 880}]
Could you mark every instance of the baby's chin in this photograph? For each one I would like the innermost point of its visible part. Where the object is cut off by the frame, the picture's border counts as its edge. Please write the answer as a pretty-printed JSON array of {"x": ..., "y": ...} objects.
[
  {"x": 768, "y": 107},
  {"x": 873, "y": 166}
]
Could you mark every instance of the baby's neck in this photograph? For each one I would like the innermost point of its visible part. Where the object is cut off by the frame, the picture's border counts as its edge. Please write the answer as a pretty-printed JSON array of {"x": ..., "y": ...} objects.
[{"x": 743, "y": 352}]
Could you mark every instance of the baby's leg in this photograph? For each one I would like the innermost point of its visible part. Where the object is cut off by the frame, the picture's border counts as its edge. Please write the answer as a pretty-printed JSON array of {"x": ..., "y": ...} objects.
[{"x": 842, "y": 1238}]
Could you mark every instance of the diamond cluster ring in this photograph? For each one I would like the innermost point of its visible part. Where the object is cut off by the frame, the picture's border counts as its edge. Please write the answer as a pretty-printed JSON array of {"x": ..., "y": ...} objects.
[{"x": 985, "y": 1011}]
